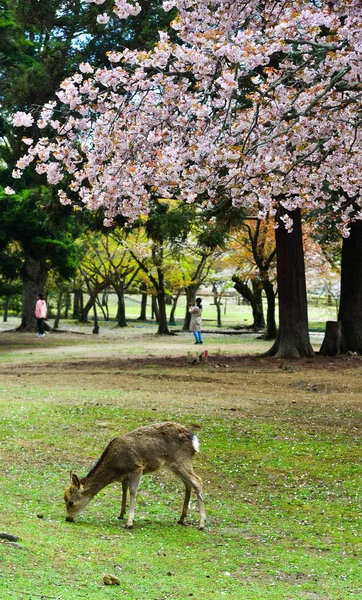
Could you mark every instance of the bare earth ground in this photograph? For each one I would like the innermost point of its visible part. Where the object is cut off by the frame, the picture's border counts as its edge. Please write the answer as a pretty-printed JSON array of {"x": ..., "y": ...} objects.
[{"x": 228, "y": 379}]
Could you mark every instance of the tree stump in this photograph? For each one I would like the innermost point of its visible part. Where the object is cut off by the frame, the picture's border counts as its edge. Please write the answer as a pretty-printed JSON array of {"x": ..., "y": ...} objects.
[
  {"x": 340, "y": 337},
  {"x": 333, "y": 339}
]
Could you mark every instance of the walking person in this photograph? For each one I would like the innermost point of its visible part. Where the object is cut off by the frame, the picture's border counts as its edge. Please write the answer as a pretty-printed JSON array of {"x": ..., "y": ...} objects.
[
  {"x": 196, "y": 320},
  {"x": 40, "y": 314}
]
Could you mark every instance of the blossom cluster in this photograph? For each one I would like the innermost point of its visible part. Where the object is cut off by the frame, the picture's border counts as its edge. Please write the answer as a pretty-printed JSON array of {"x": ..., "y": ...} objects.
[{"x": 258, "y": 103}]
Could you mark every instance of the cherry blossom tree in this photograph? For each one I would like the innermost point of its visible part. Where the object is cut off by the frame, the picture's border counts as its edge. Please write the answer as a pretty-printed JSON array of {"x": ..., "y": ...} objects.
[{"x": 258, "y": 103}]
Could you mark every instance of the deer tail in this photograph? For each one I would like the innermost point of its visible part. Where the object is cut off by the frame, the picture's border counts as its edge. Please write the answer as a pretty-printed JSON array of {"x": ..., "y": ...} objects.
[{"x": 195, "y": 443}]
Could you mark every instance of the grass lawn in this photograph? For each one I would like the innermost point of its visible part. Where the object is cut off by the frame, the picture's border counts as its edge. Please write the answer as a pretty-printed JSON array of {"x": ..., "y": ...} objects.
[{"x": 280, "y": 460}]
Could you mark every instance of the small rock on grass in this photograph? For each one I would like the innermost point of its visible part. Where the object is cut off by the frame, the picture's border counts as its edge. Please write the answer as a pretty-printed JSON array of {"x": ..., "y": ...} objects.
[{"x": 111, "y": 580}]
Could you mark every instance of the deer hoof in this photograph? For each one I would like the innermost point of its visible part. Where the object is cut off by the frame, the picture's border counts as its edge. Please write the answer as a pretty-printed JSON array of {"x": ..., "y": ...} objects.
[
  {"x": 127, "y": 526},
  {"x": 181, "y": 522}
]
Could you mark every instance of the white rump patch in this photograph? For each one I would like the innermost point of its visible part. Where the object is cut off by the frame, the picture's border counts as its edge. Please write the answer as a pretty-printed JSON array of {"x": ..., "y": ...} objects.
[{"x": 195, "y": 443}]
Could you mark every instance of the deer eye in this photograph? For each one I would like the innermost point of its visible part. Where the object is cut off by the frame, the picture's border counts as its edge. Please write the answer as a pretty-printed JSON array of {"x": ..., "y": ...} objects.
[{"x": 71, "y": 503}]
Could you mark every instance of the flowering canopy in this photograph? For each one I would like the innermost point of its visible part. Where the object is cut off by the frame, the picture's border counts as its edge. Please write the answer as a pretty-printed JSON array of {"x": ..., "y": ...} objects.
[{"x": 258, "y": 103}]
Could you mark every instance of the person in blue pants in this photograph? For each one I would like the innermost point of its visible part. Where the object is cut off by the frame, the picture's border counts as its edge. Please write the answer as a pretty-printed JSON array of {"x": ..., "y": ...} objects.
[{"x": 196, "y": 320}]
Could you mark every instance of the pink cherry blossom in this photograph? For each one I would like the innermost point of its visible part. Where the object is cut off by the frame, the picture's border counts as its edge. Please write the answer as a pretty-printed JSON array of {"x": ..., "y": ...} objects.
[
  {"x": 257, "y": 103},
  {"x": 103, "y": 19},
  {"x": 86, "y": 68},
  {"x": 22, "y": 119}
]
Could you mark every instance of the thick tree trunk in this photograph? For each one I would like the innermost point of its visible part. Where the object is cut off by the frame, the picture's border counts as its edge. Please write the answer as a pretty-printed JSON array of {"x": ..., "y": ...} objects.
[
  {"x": 34, "y": 277},
  {"x": 350, "y": 308},
  {"x": 254, "y": 296},
  {"x": 292, "y": 338},
  {"x": 333, "y": 339},
  {"x": 345, "y": 335}
]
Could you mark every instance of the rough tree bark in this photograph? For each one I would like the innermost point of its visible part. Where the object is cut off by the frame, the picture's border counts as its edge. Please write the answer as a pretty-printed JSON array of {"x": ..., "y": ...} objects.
[
  {"x": 333, "y": 339},
  {"x": 34, "y": 278},
  {"x": 345, "y": 335},
  {"x": 292, "y": 338}
]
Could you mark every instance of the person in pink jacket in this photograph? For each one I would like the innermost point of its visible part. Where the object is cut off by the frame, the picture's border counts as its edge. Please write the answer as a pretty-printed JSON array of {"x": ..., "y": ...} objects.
[{"x": 40, "y": 314}]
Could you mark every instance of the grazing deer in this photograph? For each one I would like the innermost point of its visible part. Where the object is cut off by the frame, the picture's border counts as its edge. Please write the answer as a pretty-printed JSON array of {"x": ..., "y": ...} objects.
[{"x": 127, "y": 457}]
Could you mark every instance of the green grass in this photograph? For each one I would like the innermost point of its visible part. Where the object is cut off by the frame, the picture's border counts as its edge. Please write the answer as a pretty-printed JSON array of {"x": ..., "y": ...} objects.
[
  {"x": 278, "y": 525},
  {"x": 282, "y": 492}
]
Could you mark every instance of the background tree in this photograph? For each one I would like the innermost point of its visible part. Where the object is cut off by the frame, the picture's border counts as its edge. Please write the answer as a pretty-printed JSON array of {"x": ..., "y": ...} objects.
[
  {"x": 116, "y": 266},
  {"x": 166, "y": 229},
  {"x": 43, "y": 244},
  {"x": 40, "y": 43},
  {"x": 220, "y": 282},
  {"x": 252, "y": 251}
]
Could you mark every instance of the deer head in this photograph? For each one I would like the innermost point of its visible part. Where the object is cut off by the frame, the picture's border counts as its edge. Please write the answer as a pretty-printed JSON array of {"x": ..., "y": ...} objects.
[{"x": 75, "y": 500}]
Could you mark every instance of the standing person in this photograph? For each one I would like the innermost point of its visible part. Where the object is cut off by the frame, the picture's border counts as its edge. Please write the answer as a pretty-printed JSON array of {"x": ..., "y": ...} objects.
[
  {"x": 40, "y": 314},
  {"x": 196, "y": 320}
]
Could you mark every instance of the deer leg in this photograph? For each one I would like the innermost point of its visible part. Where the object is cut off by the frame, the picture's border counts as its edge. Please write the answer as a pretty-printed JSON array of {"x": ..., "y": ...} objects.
[
  {"x": 190, "y": 479},
  {"x": 125, "y": 482},
  {"x": 185, "y": 507},
  {"x": 134, "y": 481}
]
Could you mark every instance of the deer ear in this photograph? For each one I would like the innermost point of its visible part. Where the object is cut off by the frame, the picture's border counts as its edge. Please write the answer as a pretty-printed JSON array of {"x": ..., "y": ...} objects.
[{"x": 74, "y": 480}]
